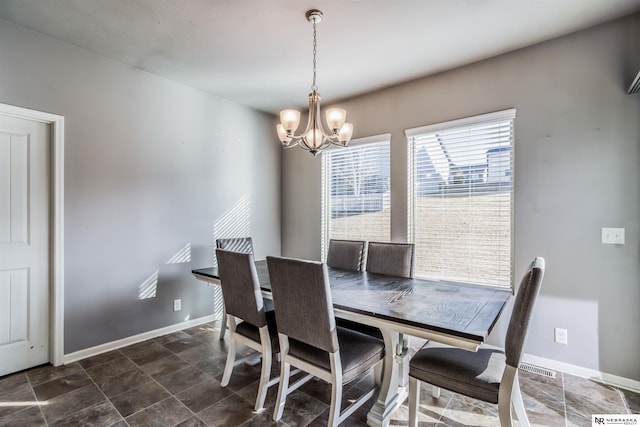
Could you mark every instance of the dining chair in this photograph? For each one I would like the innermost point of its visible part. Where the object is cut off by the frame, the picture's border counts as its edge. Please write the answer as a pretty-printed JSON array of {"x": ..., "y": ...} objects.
[
  {"x": 309, "y": 338},
  {"x": 236, "y": 244},
  {"x": 248, "y": 321},
  {"x": 346, "y": 254},
  {"x": 392, "y": 259},
  {"x": 350, "y": 255},
  {"x": 490, "y": 374}
]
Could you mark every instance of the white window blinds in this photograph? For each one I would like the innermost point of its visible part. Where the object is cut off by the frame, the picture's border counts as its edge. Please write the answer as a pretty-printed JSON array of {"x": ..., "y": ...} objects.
[
  {"x": 461, "y": 199},
  {"x": 355, "y": 191}
]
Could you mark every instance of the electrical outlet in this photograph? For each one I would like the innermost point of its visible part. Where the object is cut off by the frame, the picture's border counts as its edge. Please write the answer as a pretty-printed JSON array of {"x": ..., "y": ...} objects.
[
  {"x": 561, "y": 336},
  {"x": 177, "y": 305}
]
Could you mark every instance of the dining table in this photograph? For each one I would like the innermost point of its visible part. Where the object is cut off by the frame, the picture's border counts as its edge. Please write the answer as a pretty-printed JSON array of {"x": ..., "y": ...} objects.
[{"x": 449, "y": 312}]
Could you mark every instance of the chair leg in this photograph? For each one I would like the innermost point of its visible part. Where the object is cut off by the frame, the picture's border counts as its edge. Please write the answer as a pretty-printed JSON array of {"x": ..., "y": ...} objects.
[
  {"x": 223, "y": 321},
  {"x": 334, "y": 409},
  {"x": 265, "y": 373},
  {"x": 414, "y": 400},
  {"x": 518, "y": 403},
  {"x": 264, "y": 379},
  {"x": 282, "y": 390},
  {"x": 336, "y": 389},
  {"x": 231, "y": 360},
  {"x": 435, "y": 392},
  {"x": 504, "y": 396},
  {"x": 283, "y": 387}
]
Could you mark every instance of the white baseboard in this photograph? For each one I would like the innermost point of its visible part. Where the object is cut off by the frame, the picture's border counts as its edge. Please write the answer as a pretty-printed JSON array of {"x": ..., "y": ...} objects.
[
  {"x": 555, "y": 365},
  {"x": 114, "y": 345},
  {"x": 579, "y": 371}
]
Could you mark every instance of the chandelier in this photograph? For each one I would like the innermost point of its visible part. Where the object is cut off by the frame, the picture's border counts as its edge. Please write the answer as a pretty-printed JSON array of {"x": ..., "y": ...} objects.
[{"x": 315, "y": 137}]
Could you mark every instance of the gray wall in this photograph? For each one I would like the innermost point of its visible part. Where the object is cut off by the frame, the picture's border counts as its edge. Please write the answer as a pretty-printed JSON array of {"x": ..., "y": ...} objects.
[
  {"x": 577, "y": 151},
  {"x": 152, "y": 169}
]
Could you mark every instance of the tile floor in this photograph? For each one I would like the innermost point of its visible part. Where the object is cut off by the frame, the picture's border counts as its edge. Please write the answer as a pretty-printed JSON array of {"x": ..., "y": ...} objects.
[{"x": 174, "y": 380}]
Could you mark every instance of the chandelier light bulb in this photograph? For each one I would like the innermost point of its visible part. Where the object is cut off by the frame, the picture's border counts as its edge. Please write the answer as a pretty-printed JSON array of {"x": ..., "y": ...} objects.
[
  {"x": 290, "y": 119},
  {"x": 336, "y": 118},
  {"x": 314, "y": 138},
  {"x": 345, "y": 133},
  {"x": 282, "y": 134}
]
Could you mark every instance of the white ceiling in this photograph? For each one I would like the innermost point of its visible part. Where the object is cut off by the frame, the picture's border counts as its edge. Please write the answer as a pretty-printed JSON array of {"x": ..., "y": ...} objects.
[{"x": 258, "y": 52}]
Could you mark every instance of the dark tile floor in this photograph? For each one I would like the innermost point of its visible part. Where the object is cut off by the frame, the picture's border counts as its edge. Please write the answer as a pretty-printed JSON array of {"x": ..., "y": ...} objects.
[{"x": 174, "y": 380}]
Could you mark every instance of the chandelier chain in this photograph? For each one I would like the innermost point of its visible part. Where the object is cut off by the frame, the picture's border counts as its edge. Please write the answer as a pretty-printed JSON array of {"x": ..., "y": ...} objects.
[{"x": 314, "y": 87}]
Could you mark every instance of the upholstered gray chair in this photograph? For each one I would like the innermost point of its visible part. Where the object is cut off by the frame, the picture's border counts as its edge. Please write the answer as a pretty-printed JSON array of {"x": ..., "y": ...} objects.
[
  {"x": 346, "y": 254},
  {"x": 393, "y": 259},
  {"x": 247, "y": 319},
  {"x": 236, "y": 244},
  {"x": 310, "y": 339},
  {"x": 350, "y": 255},
  {"x": 490, "y": 375}
]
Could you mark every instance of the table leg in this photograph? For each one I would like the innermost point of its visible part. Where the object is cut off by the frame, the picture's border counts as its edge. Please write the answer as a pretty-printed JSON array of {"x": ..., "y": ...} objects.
[
  {"x": 402, "y": 352},
  {"x": 395, "y": 378}
]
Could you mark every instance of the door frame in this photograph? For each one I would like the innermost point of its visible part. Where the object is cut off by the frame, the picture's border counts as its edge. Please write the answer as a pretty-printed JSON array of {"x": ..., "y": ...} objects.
[{"x": 56, "y": 224}]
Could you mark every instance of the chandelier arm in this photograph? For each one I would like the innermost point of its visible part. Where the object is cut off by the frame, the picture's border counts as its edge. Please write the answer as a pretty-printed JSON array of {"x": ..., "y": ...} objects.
[
  {"x": 291, "y": 144},
  {"x": 320, "y": 127},
  {"x": 325, "y": 143},
  {"x": 324, "y": 135},
  {"x": 314, "y": 121},
  {"x": 299, "y": 141},
  {"x": 296, "y": 141},
  {"x": 309, "y": 125}
]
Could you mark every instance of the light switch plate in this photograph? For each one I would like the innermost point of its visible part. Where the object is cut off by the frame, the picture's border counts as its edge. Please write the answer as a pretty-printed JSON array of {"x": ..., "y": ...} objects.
[
  {"x": 613, "y": 236},
  {"x": 561, "y": 336}
]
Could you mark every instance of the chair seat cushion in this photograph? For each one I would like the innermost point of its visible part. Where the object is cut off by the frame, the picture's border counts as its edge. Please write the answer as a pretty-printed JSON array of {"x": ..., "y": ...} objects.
[
  {"x": 475, "y": 374},
  {"x": 250, "y": 331},
  {"x": 358, "y": 353}
]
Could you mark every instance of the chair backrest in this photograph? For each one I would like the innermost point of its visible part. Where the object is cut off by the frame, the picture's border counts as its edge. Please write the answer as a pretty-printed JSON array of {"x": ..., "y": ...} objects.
[
  {"x": 236, "y": 244},
  {"x": 302, "y": 302},
  {"x": 522, "y": 311},
  {"x": 393, "y": 259},
  {"x": 346, "y": 254},
  {"x": 241, "y": 287}
]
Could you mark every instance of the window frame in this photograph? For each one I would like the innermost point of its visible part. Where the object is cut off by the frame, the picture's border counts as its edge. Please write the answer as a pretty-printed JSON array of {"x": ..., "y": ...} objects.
[
  {"x": 411, "y": 134},
  {"x": 326, "y": 182}
]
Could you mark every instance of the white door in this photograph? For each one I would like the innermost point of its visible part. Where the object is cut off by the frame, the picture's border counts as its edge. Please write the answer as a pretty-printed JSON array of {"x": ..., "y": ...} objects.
[{"x": 24, "y": 243}]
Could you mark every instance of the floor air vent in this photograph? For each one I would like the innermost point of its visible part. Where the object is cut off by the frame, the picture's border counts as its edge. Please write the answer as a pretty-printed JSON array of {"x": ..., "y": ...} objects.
[{"x": 538, "y": 370}]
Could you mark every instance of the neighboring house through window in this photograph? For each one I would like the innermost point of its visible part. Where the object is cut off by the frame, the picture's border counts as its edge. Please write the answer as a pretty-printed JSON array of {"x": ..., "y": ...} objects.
[
  {"x": 460, "y": 185},
  {"x": 356, "y": 191}
]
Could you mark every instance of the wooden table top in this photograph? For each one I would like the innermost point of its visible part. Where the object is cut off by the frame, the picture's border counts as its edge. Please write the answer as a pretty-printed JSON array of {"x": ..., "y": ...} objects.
[{"x": 460, "y": 310}]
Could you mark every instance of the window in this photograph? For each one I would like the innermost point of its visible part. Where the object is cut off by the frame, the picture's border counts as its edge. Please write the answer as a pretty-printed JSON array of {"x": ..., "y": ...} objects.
[
  {"x": 460, "y": 193},
  {"x": 355, "y": 191}
]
